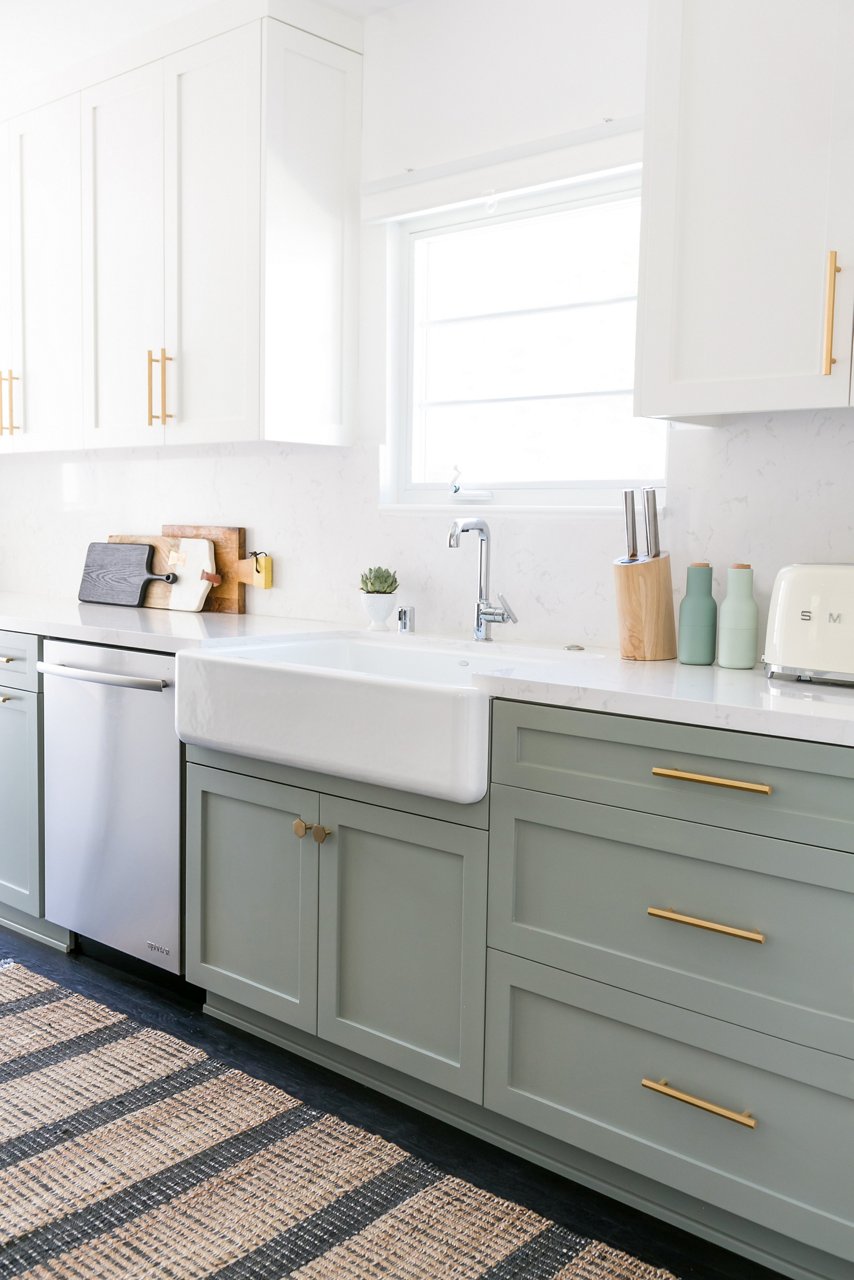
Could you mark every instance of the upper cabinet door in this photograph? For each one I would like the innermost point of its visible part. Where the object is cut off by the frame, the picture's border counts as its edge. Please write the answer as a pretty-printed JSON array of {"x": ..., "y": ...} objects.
[
  {"x": 213, "y": 260},
  {"x": 43, "y": 402},
  {"x": 748, "y": 188},
  {"x": 123, "y": 260},
  {"x": 311, "y": 182},
  {"x": 5, "y": 275}
]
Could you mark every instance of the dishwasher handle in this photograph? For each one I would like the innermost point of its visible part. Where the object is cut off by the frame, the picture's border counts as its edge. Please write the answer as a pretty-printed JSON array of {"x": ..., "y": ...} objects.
[{"x": 102, "y": 677}]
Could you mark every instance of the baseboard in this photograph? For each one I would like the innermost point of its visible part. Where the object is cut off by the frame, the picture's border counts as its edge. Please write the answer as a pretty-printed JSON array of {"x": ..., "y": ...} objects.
[{"x": 52, "y": 935}]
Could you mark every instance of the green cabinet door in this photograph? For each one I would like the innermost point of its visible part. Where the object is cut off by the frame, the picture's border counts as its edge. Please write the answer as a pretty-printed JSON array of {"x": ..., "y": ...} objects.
[
  {"x": 21, "y": 848},
  {"x": 252, "y": 894},
  {"x": 401, "y": 976}
]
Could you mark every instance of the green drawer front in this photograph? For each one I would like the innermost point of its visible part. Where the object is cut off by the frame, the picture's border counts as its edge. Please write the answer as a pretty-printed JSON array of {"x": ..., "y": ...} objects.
[
  {"x": 610, "y": 759},
  {"x": 567, "y": 1056},
  {"x": 571, "y": 883},
  {"x": 19, "y": 654}
]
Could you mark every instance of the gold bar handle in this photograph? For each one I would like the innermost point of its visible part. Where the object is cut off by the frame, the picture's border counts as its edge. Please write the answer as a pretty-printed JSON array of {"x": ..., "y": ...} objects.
[
  {"x": 827, "y": 360},
  {"x": 13, "y": 378},
  {"x": 2, "y": 424},
  {"x": 731, "y": 932},
  {"x": 163, "y": 359},
  {"x": 6, "y": 659},
  {"x": 737, "y": 1117},
  {"x": 151, "y": 360},
  {"x": 758, "y": 788},
  {"x": 5, "y": 698}
]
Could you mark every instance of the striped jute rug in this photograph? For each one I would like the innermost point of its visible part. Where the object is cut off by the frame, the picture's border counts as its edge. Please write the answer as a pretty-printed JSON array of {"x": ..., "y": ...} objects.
[{"x": 125, "y": 1152}]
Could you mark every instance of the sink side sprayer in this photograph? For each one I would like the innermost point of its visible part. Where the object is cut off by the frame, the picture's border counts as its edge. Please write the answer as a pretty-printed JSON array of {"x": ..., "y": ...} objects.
[{"x": 485, "y": 613}]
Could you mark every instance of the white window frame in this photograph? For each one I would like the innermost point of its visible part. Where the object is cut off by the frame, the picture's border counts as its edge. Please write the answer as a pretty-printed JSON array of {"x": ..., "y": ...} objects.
[{"x": 396, "y": 488}]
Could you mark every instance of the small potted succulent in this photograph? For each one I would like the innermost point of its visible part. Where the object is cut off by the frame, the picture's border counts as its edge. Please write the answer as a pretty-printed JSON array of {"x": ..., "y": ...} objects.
[{"x": 379, "y": 588}]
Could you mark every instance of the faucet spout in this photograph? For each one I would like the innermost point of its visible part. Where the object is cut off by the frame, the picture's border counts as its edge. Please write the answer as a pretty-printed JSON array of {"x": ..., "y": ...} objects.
[{"x": 485, "y": 613}]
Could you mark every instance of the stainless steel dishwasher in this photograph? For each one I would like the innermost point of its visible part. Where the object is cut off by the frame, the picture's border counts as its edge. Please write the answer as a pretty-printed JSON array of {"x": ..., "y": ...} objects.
[{"x": 112, "y": 793}]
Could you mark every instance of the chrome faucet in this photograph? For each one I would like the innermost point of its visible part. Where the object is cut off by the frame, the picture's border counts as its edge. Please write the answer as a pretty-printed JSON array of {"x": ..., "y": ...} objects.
[{"x": 486, "y": 613}]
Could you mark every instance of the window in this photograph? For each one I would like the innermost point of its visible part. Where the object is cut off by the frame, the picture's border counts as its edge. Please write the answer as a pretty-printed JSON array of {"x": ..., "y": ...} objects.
[{"x": 518, "y": 362}]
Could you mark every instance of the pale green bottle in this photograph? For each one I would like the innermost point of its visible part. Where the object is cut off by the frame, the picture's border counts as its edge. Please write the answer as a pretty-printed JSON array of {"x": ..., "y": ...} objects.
[
  {"x": 739, "y": 620},
  {"x": 698, "y": 618}
]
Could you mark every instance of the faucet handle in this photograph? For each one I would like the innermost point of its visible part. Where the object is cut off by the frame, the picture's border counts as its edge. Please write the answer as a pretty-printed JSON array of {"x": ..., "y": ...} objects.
[{"x": 511, "y": 617}]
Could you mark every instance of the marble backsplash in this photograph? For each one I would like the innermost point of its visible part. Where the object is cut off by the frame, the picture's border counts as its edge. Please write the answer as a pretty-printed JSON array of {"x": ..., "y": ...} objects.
[{"x": 768, "y": 490}]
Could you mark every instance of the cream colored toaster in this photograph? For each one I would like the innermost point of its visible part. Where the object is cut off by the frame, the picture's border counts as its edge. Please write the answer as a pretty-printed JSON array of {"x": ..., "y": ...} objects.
[{"x": 811, "y": 623}]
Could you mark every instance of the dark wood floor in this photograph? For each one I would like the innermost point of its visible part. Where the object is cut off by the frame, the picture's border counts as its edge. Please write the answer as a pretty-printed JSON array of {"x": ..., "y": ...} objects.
[{"x": 142, "y": 997}]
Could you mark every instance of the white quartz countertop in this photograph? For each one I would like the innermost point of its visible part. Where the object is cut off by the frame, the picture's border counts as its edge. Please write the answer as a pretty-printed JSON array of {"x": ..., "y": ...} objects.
[
  {"x": 747, "y": 701},
  {"x": 166, "y": 630},
  {"x": 593, "y": 680}
]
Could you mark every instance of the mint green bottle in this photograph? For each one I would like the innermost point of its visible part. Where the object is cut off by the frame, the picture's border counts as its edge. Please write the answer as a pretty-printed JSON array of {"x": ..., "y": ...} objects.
[
  {"x": 698, "y": 618},
  {"x": 739, "y": 620}
]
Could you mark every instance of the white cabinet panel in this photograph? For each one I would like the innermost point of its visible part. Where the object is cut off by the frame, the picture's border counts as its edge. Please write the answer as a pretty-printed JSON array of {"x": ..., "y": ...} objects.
[
  {"x": 123, "y": 255},
  {"x": 213, "y": 180},
  {"x": 748, "y": 185},
  {"x": 5, "y": 274},
  {"x": 46, "y": 284},
  {"x": 313, "y": 106}
]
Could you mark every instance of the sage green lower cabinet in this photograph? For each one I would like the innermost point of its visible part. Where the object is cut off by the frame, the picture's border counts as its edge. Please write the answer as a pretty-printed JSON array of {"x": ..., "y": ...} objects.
[
  {"x": 21, "y": 845},
  {"x": 383, "y": 954},
  {"x": 252, "y": 894},
  {"x": 401, "y": 971},
  {"x": 736, "y": 922},
  {"x": 569, "y": 1057}
]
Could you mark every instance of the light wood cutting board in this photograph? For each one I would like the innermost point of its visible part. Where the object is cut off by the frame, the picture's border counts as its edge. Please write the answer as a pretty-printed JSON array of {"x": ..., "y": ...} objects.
[
  {"x": 229, "y": 547},
  {"x": 188, "y": 557}
]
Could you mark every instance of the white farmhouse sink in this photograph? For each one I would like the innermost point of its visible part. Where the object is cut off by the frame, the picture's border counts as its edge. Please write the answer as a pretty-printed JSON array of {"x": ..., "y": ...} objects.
[
  {"x": 392, "y": 711},
  {"x": 396, "y": 711}
]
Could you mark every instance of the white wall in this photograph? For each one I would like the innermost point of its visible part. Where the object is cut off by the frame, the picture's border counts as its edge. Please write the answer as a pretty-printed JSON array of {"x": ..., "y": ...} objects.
[
  {"x": 447, "y": 80},
  {"x": 768, "y": 490}
]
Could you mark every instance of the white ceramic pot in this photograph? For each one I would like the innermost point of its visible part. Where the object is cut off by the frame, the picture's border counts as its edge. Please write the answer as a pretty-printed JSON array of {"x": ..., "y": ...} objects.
[{"x": 379, "y": 608}]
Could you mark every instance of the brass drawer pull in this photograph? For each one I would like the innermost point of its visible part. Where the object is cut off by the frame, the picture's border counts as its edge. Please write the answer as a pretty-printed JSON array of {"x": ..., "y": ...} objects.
[
  {"x": 5, "y": 698},
  {"x": 747, "y": 934},
  {"x": 737, "y": 1117},
  {"x": 758, "y": 788},
  {"x": 7, "y": 659},
  {"x": 827, "y": 358}
]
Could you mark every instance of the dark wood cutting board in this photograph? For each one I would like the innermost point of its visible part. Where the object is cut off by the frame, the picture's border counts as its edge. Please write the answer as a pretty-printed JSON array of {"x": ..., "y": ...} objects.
[{"x": 118, "y": 574}]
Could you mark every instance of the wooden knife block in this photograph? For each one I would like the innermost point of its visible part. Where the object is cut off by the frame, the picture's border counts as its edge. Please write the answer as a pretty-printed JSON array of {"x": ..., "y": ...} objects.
[{"x": 645, "y": 609}]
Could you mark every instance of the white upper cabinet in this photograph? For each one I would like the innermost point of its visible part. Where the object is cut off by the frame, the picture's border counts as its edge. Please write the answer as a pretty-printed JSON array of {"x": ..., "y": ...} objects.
[
  {"x": 213, "y": 248},
  {"x": 312, "y": 117},
  {"x": 5, "y": 276},
  {"x": 219, "y": 207},
  {"x": 41, "y": 324},
  {"x": 748, "y": 190},
  {"x": 123, "y": 261}
]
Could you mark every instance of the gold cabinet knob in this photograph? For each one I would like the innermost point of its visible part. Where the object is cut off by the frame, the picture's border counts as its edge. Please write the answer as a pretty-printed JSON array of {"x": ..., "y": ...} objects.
[
  {"x": 320, "y": 833},
  {"x": 301, "y": 828}
]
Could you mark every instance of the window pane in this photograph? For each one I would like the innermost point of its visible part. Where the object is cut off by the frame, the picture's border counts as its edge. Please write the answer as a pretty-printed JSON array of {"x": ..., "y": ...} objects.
[
  {"x": 585, "y": 254},
  {"x": 523, "y": 349},
  {"x": 543, "y": 354},
  {"x": 536, "y": 441}
]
